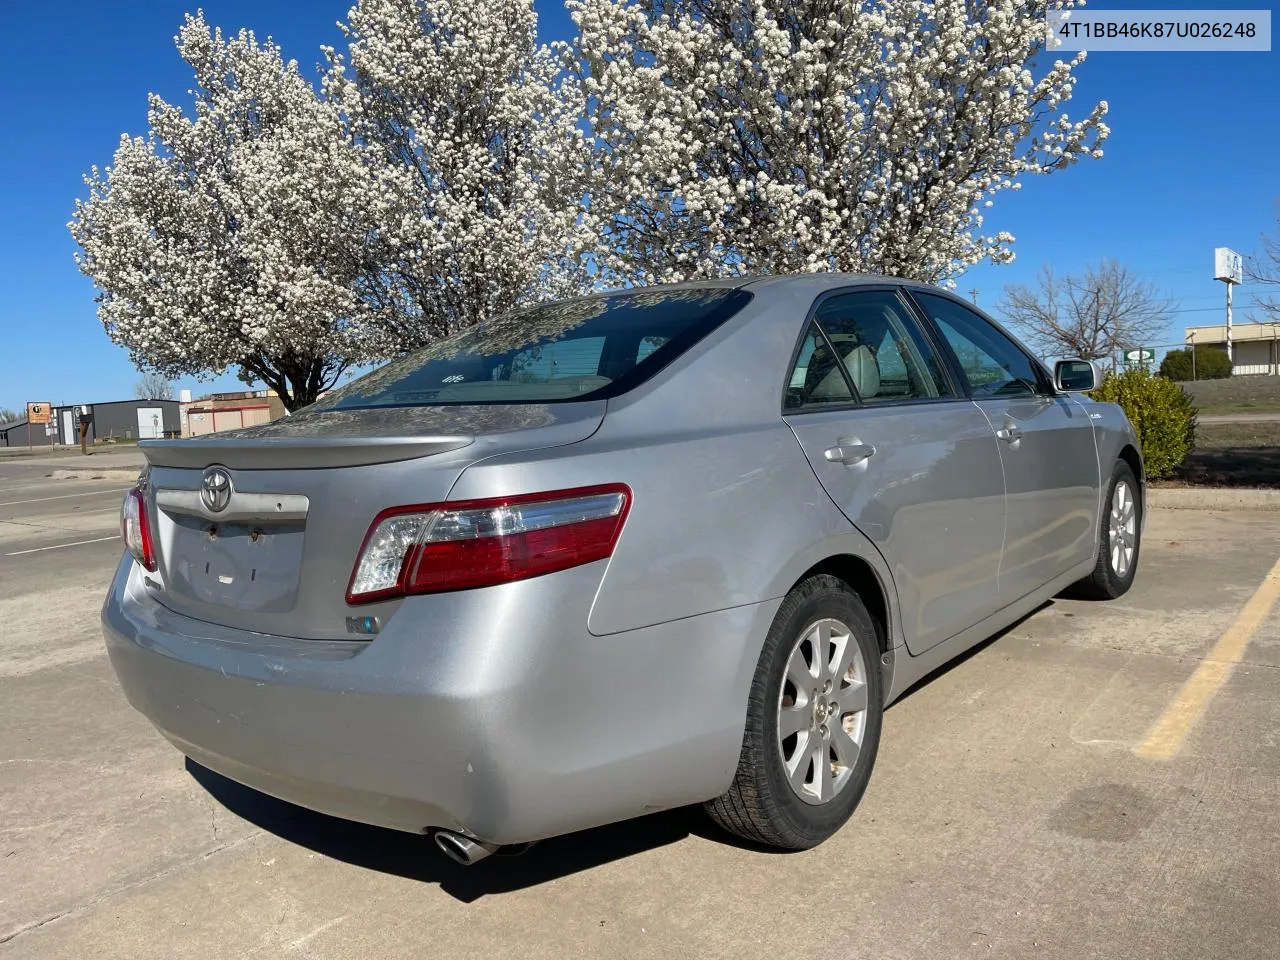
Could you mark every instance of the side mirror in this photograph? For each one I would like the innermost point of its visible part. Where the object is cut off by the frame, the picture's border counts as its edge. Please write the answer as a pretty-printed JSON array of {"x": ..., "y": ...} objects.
[{"x": 1075, "y": 376}]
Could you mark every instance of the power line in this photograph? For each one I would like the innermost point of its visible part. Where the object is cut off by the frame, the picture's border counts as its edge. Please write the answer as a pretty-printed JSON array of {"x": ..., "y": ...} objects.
[
  {"x": 1197, "y": 299},
  {"x": 1218, "y": 309}
]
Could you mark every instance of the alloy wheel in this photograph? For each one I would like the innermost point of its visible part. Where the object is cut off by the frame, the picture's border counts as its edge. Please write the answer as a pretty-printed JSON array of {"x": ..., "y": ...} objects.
[
  {"x": 1122, "y": 529},
  {"x": 822, "y": 711}
]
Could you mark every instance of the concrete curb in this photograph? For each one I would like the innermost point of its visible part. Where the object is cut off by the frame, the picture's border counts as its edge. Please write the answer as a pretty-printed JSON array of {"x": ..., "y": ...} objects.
[
  {"x": 1212, "y": 498},
  {"x": 107, "y": 473}
]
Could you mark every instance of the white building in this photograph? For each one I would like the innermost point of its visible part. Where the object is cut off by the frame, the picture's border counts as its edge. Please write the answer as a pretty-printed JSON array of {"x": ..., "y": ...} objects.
[{"x": 1256, "y": 345}]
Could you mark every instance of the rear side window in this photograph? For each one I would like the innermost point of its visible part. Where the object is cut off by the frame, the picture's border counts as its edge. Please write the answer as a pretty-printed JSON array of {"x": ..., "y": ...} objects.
[
  {"x": 864, "y": 346},
  {"x": 585, "y": 349},
  {"x": 817, "y": 377}
]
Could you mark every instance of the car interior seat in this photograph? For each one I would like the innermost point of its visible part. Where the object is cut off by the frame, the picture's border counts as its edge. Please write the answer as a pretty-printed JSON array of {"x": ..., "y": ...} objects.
[{"x": 863, "y": 369}]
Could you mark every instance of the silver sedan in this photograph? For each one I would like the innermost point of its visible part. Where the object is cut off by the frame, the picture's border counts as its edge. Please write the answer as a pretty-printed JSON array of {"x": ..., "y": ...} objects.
[{"x": 617, "y": 554}]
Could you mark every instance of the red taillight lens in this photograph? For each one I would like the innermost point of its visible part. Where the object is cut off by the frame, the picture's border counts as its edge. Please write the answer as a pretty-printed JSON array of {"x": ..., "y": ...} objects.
[
  {"x": 135, "y": 527},
  {"x": 480, "y": 543}
]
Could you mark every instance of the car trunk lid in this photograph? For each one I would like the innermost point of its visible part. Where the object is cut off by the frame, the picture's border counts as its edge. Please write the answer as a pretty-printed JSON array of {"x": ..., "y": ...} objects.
[{"x": 258, "y": 529}]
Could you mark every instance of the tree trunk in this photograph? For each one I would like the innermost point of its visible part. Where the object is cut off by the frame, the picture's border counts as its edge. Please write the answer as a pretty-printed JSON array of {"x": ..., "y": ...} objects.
[{"x": 298, "y": 381}]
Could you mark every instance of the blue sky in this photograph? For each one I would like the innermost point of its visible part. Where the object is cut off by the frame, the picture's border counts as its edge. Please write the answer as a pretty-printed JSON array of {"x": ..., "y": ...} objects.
[{"x": 1193, "y": 163}]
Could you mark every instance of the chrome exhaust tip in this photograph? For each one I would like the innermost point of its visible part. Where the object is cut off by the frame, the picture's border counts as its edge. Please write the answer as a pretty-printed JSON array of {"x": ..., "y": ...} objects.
[{"x": 462, "y": 849}]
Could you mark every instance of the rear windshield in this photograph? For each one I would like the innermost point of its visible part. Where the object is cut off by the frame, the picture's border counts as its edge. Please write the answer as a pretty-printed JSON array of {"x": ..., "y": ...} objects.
[{"x": 568, "y": 350}]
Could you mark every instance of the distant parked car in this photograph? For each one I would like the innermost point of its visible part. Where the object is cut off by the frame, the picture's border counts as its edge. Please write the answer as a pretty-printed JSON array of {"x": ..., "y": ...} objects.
[{"x": 617, "y": 554}]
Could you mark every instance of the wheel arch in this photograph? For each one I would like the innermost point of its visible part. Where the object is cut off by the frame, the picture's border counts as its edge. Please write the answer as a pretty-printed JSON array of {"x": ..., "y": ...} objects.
[
  {"x": 862, "y": 578},
  {"x": 1130, "y": 455}
]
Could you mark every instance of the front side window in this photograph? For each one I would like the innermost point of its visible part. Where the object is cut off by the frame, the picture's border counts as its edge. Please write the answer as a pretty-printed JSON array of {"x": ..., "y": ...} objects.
[
  {"x": 992, "y": 363},
  {"x": 585, "y": 349}
]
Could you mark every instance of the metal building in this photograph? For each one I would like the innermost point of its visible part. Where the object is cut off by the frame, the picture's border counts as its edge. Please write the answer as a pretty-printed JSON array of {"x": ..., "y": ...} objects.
[
  {"x": 14, "y": 434},
  {"x": 120, "y": 420}
]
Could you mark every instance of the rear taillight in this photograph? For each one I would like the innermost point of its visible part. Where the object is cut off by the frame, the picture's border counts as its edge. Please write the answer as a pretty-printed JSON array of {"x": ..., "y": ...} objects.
[
  {"x": 135, "y": 527},
  {"x": 479, "y": 543}
]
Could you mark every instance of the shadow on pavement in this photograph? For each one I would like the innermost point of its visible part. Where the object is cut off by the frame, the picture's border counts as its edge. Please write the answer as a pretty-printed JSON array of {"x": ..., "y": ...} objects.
[
  {"x": 417, "y": 858},
  {"x": 1232, "y": 466},
  {"x": 962, "y": 658}
]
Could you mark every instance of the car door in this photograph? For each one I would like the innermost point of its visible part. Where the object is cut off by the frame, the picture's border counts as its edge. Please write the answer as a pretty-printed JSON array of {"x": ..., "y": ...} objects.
[
  {"x": 911, "y": 462},
  {"x": 1046, "y": 445}
]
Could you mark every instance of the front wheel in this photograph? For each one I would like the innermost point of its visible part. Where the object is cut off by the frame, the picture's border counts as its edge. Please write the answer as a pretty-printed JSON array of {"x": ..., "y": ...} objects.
[
  {"x": 1119, "y": 539},
  {"x": 813, "y": 721}
]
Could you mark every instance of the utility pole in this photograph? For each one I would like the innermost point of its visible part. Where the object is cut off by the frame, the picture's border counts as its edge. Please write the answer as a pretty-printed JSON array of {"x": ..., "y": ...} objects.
[
  {"x": 1228, "y": 266},
  {"x": 973, "y": 294},
  {"x": 1230, "y": 347}
]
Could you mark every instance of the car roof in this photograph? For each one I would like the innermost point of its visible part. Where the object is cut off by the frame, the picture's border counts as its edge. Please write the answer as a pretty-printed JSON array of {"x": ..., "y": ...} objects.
[
  {"x": 815, "y": 282},
  {"x": 827, "y": 281}
]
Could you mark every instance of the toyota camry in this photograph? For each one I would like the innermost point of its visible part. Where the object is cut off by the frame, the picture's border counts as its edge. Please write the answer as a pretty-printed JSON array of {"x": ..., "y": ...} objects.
[{"x": 617, "y": 554}]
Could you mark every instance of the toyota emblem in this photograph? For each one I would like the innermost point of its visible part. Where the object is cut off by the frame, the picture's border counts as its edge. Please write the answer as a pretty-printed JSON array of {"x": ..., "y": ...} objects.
[{"x": 215, "y": 489}]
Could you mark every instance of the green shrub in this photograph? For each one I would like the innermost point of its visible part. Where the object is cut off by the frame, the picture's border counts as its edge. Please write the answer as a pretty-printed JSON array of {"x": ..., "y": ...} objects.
[
  {"x": 1162, "y": 415},
  {"x": 1211, "y": 364}
]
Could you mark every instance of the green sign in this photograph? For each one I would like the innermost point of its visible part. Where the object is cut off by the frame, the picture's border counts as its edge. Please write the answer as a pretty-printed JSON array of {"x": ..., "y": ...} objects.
[{"x": 1141, "y": 355}]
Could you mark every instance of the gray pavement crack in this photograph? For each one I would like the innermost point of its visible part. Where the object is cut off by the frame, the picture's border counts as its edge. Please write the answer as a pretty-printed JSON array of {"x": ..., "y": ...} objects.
[
  {"x": 125, "y": 888},
  {"x": 35, "y": 925}
]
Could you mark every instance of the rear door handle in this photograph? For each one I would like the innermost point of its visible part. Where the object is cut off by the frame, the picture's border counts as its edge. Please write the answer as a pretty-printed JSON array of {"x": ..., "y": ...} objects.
[{"x": 849, "y": 452}]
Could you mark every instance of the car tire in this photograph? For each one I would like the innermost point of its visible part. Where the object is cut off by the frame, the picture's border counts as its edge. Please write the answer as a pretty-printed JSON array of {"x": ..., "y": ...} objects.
[
  {"x": 1119, "y": 539},
  {"x": 777, "y": 797}
]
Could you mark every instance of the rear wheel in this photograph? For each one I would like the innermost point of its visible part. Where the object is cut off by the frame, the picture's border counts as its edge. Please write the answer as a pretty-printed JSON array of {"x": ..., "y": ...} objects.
[
  {"x": 1119, "y": 539},
  {"x": 813, "y": 721}
]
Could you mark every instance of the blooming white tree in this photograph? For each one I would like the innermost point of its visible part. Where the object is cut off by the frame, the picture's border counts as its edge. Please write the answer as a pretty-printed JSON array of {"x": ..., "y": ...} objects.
[
  {"x": 251, "y": 235},
  {"x": 453, "y": 169},
  {"x": 486, "y": 123},
  {"x": 739, "y": 136}
]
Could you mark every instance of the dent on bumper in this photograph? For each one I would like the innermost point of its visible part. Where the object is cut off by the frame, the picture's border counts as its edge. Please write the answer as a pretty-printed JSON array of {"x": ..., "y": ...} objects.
[{"x": 491, "y": 712}]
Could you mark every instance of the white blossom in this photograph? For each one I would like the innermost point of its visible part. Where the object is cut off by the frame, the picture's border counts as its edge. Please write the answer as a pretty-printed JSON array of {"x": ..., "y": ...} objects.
[
  {"x": 743, "y": 136},
  {"x": 485, "y": 122},
  {"x": 452, "y": 169},
  {"x": 250, "y": 234}
]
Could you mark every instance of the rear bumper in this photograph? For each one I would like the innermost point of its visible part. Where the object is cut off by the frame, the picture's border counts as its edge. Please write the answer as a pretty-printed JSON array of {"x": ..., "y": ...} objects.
[{"x": 493, "y": 712}]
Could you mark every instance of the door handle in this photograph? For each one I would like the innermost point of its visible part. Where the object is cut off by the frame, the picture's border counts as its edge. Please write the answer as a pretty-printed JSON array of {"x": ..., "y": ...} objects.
[
  {"x": 1010, "y": 433},
  {"x": 849, "y": 452}
]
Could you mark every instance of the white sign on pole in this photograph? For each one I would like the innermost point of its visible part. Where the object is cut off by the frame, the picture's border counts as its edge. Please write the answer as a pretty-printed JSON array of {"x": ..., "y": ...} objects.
[{"x": 1228, "y": 265}]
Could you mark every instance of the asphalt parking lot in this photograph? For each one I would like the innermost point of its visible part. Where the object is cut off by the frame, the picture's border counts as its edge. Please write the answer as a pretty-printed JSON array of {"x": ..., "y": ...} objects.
[{"x": 1103, "y": 780}]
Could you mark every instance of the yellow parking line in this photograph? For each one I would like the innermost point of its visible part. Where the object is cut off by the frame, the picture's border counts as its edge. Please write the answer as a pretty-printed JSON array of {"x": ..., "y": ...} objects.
[{"x": 1166, "y": 737}]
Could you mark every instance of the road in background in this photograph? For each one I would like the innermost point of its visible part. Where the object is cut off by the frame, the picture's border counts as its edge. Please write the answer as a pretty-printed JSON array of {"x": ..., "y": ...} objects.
[
  {"x": 1274, "y": 417},
  {"x": 57, "y": 537},
  {"x": 1008, "y": 816}
]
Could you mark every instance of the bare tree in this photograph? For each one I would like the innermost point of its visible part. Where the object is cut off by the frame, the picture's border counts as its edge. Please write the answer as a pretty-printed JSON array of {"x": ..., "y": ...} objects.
[
  {"x": 153, "y": 386},
  {"x": 8, "y": 416},
  {"x": 1264, "y": 268},
  {"x": 1106, "y": 309}
]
